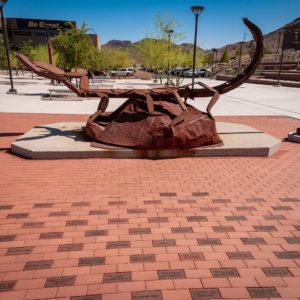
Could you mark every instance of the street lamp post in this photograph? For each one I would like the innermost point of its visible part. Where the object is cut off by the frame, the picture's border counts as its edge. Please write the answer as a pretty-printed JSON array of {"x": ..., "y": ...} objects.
[
  {"x": 213, "y": 62},
  {"x": 197, "y": 10},
  {"x": 281, "y": 58},
  {"x": 169, "y": 32},
  {"x": 12, "y": 90}
]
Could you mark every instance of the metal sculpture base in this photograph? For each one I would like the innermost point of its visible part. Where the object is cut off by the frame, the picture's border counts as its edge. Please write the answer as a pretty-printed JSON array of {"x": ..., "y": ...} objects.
[
  {"x": 132, "y": 126},
  {"x": 68, "y": 141}
]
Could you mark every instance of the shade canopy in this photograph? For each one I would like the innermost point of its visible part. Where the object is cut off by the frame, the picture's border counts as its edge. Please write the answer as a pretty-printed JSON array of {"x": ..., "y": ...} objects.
[{"x": 169, "y": 31}]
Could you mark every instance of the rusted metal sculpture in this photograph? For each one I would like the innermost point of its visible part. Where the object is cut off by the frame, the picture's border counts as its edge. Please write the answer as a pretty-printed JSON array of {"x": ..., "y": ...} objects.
[{"x": 153, "y": 118}]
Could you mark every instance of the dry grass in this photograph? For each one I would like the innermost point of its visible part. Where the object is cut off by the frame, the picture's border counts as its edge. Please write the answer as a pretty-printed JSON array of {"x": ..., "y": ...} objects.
[{"x": 143, "y": 75}]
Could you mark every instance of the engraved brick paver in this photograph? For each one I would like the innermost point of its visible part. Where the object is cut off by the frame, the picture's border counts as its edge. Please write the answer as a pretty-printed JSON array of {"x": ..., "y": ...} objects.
[
  {"x": 287, "y": 254},
  {"x": 91, "y": 261},
  {"x": 239, "y": 255},
  {"x": 263, "y": 292},
  {"x": 225, "y": 272},
  {"x": 289, "y": 199},
  {"x": 274, "y": 217},
  {"x": 168, "y": 194},
  {"x": 117, "y": 277},
  {"x": 5, "y": 207},
  {"x": 158, "y": 220},
  {"x": 19, "y": 251},
  {"x": 171, "y": 274},
  {"x": 51, "y": 235},
  {"x": 37, "y": 265},
  {"x": 235, "y": 218},
  {"x": 253, "y": 241},
  {"x": 264, "y": 228},
  {"x": 118, "y": 221},
  {"x": 152, "y": 202},
  {"x": 60, "y": 281},
  {"x": 139, "y": 230},
  {"x": 198, "y": 294},
  {"x": 142, "y": 258},
  {"x": 70, "y": 247},
  {"x": 7, "y": 238},
  {"x": 88, "y": 297},
  {"x": 282, "y": 207},
  {"x": 223, "y": 228},
  {"x": 58, "y": 213},
  {"x": 80, "y": 204},
  {"x": 111, "y": 203},
  {"x": 17, "y": 216},
  {"x": 186, "y": 228},
  {"x": 98, "y": 212},
  {"x": 6, "y": 286},
  {"x": 116, "y": 245},
  {"x": 192, "y": 256},
  {"x": 182, "y": 229},
  {"x": 293, "y": 240},
  {"x": 146, "y": 295},
  {"x": 199, "y": 194},
  {"x": 209, "y": 241},
  {"x": 196, "y": 219},
  {"x": 163, "y": 243},
  {"x": 33, "y": 224},
  {"x": 76, "y": 222},
  {"x": 277, "y": 272},
  {"x": 187, "y": 201},
  {"x": 42, "y": 205},
  {"x": 96, "y": 233}
]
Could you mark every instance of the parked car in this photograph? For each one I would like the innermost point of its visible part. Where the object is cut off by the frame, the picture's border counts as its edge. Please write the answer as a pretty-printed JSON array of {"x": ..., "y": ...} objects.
[
  {"x": 190, "y": 73},
  {"x": 185, "y": 72},
  {"x": 125, "y": 72}
]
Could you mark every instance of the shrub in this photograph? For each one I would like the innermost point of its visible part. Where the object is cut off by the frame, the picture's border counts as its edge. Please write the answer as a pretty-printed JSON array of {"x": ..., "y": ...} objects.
[{"x": 143, "y": 75}]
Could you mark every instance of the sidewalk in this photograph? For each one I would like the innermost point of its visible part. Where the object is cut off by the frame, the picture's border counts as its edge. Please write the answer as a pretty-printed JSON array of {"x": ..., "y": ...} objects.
[
  {"x": 247, "y": 100},
  {"x": 132, "y": 229}
]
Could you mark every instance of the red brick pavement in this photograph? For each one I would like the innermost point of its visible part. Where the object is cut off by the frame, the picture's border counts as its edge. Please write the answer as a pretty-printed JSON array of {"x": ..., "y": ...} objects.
[{"x": 186, "y": 229}]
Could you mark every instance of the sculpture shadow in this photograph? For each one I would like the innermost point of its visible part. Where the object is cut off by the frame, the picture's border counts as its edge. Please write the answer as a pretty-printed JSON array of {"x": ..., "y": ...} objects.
[{"x": 75, "y": 134}]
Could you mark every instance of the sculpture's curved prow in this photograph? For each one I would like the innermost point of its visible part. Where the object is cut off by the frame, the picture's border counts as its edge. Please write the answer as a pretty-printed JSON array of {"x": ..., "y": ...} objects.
[{"x": 246, "y": 74}]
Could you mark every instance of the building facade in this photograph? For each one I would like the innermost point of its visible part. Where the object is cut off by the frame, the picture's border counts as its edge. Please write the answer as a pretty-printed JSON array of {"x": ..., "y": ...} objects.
[{"x": 38, "y": 31}]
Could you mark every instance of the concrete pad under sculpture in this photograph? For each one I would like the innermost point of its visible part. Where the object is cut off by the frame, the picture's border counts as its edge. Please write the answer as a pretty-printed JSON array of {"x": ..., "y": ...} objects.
[{"x": 68, "y": 140}]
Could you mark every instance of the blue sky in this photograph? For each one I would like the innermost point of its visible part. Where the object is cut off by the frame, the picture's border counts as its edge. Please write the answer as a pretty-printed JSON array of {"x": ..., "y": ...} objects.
[{"x": 219, "y": 24}]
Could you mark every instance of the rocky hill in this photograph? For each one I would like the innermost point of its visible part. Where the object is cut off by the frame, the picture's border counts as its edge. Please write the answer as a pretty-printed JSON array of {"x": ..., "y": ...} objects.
[{"x": 270, "y": 42}]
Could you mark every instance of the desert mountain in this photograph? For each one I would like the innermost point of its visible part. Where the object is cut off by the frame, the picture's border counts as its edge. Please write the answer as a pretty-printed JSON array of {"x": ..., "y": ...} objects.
[{"x": 270, "y": 42}]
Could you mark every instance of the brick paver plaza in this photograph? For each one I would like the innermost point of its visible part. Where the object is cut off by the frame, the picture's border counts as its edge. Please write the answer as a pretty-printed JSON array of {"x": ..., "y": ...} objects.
[{"x": 134, "y": 229}]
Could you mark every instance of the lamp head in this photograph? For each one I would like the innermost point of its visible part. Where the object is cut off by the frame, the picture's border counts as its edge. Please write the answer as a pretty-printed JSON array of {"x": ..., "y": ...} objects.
[
  {"x": 169, "y": 31},
  {"x": 2, "y": 2},
  {"x": 197, "y": 10}
]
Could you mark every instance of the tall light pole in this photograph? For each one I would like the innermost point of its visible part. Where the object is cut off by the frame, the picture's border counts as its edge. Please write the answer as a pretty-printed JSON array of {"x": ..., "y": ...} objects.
[
  {"x": 169, "y": 32},
  {"x": 12, "y": 90},
  {"x": 197, "y": 10},
  {"x": 213, "y": 62},
  {"x": 240, "y": 54},
  {"x": 281, "y": 58}
]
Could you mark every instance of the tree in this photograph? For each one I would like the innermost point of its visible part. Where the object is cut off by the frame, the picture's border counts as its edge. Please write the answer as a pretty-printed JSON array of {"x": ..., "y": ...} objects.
[
  {"x": 154, "y": 52},
  {"x": 238, "y": 52},
  {"x": 111, "y": 58},
  {"x": 27, "y": 48},
  {"x": 75, "y": 48},
  {"x": 14, "y": 62},
  {"x": 225, "y": 58}
]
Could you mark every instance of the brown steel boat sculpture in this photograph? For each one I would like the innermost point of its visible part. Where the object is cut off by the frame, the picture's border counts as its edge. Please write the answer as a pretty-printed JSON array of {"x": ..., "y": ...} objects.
[{"x": 152, "y": 118}]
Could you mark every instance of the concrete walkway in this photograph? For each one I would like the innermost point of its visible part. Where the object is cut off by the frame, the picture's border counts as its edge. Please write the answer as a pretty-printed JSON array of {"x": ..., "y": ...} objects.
[{"x": 247, "y": 100}]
